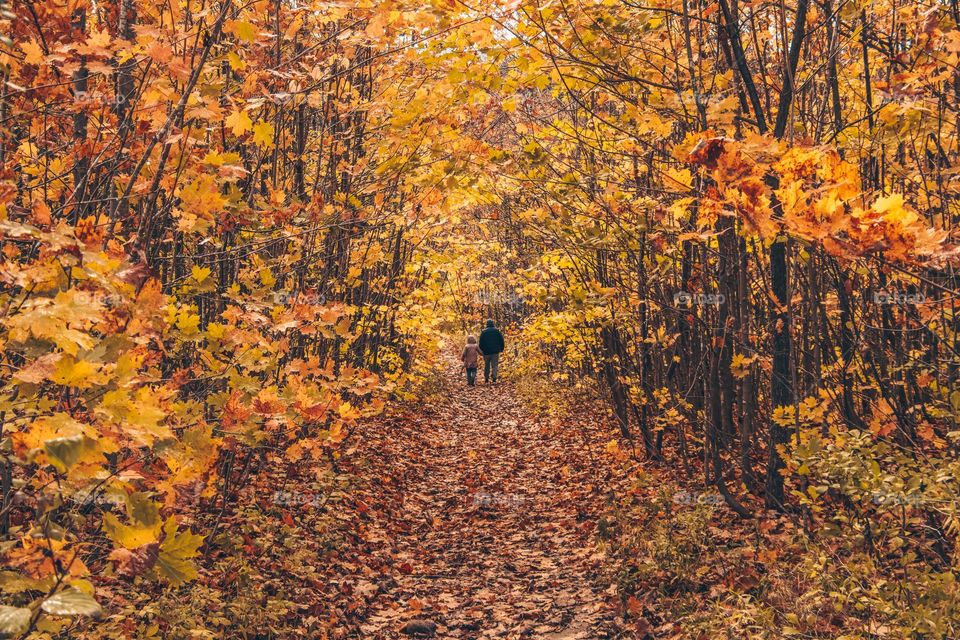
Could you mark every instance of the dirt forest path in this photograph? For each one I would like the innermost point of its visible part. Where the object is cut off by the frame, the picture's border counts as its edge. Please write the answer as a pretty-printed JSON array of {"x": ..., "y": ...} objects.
[{"x": 489, "y": 523}]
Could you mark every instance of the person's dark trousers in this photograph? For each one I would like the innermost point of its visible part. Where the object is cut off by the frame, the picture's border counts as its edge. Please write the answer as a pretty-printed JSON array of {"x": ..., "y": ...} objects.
[
  {"x": 490, "y": 365},
  {"x": 472, "y": 376}
]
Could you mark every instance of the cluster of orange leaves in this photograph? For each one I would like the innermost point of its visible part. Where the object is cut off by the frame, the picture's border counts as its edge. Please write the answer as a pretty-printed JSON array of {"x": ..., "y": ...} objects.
[{"x": 812, "y": 194}]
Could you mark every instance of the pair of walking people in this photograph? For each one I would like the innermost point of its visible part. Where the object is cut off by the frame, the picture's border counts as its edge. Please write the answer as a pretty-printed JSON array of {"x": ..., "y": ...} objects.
[{"x": 490, "y": 346}]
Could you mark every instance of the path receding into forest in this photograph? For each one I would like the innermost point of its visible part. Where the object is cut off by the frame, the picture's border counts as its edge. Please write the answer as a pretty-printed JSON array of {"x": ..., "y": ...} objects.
[{"x": 482, "y": 522}]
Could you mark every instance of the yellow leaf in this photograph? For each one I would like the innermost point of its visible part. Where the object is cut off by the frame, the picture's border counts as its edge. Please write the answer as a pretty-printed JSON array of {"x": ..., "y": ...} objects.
[
  {"x": 176, "y": 550},
  {"x": 892, "y": 202},
  {"x": 129, "y": 536},
  {"x": 216, "y": 331},
  {"x": 679, "y": 179},
  {"x": 346, "y": 411},
  {"x": 98, "y": 40},
  {"x": 34, "y": 54},
  {"x": 77, "y": 373},
  {"x": 188, "y": 323},
  {"x": 45, "y": 428},
  {"x": 263, "y": 134},
  {"x": 58, "y": 320},
  {"x": 239, "y": 122},
  {"x": 200, "y": 273},
  {"x": 192, "y": 456},
  {"x": 201, "y": 197},
  {"x": 267, "y": 277},
  {"x": 236, "y": 63},
  {"x": 893, "y": 210},
  {"x": 613, "y": 447},
  {"x": 242, "y": 29},
  {"x": 140, "y": 415}
]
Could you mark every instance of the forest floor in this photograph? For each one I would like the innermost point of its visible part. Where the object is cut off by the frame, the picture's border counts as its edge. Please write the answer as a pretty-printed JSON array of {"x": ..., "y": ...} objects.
[
  {"x": 482, "y": 520},
  {"x": 497, "y": 511},
  {"x": 471, "y": 514}
]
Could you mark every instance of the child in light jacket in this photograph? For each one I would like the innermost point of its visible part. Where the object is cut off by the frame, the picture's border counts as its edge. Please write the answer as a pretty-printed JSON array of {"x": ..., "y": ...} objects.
[{"x": 470, "y": 358}]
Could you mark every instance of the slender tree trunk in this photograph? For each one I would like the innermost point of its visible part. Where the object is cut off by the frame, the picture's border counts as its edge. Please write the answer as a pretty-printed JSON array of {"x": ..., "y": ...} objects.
[{"x": 781, "y": 392}]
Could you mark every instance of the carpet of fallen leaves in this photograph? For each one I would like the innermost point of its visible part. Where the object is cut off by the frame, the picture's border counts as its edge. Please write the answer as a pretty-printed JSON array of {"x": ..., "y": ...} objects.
[
  {"x": 480, "y": 523},
  {"x": 471, "y": 515}
]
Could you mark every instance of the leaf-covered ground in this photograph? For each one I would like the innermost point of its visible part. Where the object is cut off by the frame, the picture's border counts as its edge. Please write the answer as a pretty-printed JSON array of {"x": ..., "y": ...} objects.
[
  {"x": 482, "y": 522},
  {"x": 471, "y": 515}
]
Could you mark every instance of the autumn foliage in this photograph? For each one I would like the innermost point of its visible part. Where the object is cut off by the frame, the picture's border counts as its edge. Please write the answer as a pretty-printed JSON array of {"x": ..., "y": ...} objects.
[{"x": 234, "y": 234}]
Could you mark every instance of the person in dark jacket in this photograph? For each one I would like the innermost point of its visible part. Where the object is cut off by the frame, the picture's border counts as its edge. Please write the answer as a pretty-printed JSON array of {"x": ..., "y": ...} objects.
[{"x": 491, "y": 345}]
